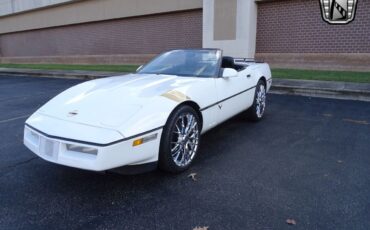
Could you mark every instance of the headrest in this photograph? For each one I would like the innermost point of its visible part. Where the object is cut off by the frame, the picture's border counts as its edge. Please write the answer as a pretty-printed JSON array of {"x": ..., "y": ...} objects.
[{"x": 228, "y": 62}]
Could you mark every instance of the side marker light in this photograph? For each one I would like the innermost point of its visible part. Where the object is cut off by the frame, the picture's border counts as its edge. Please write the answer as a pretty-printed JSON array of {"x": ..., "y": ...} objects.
[{"x": 143, "y": 140}]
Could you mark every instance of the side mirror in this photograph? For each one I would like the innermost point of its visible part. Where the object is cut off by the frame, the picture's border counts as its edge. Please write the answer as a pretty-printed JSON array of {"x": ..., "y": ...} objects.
[
  {"x": 228, "y": 72},
  {"x": 140, "y": 67}
]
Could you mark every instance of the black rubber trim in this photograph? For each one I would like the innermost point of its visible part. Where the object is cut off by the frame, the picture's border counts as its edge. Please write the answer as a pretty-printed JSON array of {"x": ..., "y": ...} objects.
[
  {"x": 228, "y": 98},
  {"x": 92, "y": 143},
  {"x": 134, "y": 169}
]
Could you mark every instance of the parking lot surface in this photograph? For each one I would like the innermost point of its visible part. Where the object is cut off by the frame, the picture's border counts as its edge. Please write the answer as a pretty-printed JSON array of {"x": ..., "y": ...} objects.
[{"x": 308, "y": 160}]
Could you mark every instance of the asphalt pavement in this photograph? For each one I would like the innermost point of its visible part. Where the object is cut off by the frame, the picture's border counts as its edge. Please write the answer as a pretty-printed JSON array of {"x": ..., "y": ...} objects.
[{"x": 308, "y": 160}]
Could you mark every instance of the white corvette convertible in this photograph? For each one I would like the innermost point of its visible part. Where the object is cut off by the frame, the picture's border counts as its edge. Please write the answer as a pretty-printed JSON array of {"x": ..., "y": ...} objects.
[{"x": 153, "y": 117}]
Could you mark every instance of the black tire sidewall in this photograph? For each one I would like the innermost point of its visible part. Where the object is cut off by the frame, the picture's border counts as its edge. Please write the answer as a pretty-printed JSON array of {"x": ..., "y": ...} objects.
[
  {"x": 165, "y": 160},
  {"x": 252, "y": 111}
]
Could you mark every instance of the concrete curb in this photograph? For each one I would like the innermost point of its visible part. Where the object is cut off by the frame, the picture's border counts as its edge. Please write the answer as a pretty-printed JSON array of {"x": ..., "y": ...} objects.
[
  {"x": 323, "y": 93},
  {"x": 69, "y": 74},
  {"x": 323, "y": 89}
]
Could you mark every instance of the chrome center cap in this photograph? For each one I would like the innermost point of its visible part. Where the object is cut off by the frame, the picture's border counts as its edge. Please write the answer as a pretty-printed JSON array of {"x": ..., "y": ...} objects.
[{"x": 183, "y": 139}]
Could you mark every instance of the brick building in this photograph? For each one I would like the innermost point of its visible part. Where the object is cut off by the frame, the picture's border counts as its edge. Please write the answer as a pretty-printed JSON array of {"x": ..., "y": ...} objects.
[
  {"x": 285, "y": 33},
  {"x": 291, "y": 33}
]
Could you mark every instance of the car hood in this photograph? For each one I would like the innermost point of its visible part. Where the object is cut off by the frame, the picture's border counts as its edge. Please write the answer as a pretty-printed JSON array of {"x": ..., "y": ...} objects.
[{"x": 109, "y": 102}]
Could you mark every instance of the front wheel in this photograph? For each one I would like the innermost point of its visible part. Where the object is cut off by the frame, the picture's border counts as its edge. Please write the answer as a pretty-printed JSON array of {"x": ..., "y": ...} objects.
[
  {"x": 256, "y": 112},
  {"x": 180, "y": 140}
]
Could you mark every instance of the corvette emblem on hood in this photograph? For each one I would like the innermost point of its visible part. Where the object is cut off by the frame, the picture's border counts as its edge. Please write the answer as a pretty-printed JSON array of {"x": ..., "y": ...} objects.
[{"x": 73, "y": 113}]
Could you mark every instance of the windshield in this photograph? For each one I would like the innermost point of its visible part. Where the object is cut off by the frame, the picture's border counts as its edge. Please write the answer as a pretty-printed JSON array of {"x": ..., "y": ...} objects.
[{"x": 193, "y": 63}]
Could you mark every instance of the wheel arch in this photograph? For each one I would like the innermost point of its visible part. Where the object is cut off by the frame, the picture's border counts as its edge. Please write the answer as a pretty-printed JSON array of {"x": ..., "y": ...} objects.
[
  {"x": 192, "y": 104},
  {"x": 263, "y": 78}
]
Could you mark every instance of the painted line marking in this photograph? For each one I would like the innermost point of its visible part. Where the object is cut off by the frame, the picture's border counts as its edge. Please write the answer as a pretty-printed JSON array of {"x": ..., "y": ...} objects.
[
  {"x": 357, "y": 122},
  {"x": 14, "y": 118},
  {"x": 327, "y": 115}
]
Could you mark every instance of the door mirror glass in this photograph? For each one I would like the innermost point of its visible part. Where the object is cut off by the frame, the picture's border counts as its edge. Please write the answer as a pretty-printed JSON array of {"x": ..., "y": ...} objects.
[{"x": 228, "y": 72}]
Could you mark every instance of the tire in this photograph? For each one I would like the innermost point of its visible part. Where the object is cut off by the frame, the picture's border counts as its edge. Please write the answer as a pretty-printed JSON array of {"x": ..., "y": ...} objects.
[
  {"x": 257, "y": 110},
  {"x": 179, "y": 145}
]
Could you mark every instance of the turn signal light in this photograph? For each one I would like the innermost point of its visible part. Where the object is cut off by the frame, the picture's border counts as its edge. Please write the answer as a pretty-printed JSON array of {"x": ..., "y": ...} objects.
[
  {"x": 138, "y": 142},
  {"x": 145, "y": 139}
]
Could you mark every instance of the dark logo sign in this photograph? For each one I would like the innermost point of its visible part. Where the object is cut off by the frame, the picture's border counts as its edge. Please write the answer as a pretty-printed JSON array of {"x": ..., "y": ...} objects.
[{"x": 338, "y": 11}]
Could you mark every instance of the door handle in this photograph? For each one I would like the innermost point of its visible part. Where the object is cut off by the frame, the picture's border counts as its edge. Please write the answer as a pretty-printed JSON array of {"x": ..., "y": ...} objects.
[{"x": 248, "y": 76}]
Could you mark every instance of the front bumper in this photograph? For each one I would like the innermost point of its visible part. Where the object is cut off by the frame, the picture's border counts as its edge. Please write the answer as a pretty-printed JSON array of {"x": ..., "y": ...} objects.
[{"x": 89, "y": 156}]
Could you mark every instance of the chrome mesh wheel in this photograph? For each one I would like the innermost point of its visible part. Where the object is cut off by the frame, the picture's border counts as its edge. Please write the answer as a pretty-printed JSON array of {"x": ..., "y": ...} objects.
[
  {"x": 185, "y": 139},
  {"x": 260, "y": 100}
]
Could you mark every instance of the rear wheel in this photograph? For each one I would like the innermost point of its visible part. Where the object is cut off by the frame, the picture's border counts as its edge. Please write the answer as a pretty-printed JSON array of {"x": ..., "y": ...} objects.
[
  {"x": 256, "y": 112},
  {"x": 180, "y": 140}
]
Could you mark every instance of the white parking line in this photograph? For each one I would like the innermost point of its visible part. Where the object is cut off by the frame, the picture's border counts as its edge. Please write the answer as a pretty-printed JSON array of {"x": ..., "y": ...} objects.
[{"x": 14, "y": 118}]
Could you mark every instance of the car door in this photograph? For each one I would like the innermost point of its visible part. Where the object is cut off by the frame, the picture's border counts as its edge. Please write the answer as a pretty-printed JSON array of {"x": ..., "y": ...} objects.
[{"x": 235, "y": 94}]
